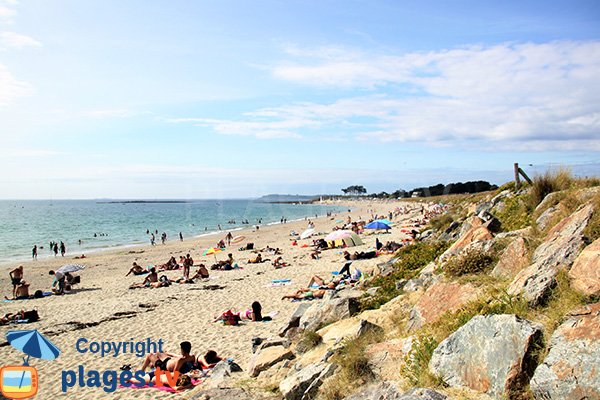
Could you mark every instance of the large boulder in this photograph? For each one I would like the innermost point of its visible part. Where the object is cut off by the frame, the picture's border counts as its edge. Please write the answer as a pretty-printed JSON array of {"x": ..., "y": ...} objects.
[
  {"x": 571, "y": 369},
  {"x": 438, "y": 300},
  {"x": 585, "y": 273},
  {"x": 390, "y": 391},
  {"x": 353, "y": 328},
  {"x": 512, "y": 260},
  {"x": 294, "y": 320},
  {"x": 303, "y": 384},
  {"x": 562, "y": 245},
  {"x": 385, "y": 357},
  {"x": 332, "y": 308},
  {"x": 267, "y": 357},
  {"x": 489, "y": 354},
  {"x": 475, "y": 234},
  {"x": 545, "y": 218}
]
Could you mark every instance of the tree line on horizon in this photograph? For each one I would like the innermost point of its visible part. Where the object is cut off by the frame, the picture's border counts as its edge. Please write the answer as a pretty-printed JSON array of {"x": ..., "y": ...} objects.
[{"x": 435, "y": 190}]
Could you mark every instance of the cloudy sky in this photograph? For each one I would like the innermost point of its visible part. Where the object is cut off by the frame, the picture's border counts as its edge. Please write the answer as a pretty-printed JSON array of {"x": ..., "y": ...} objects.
[{"x": 216, "y": 99}]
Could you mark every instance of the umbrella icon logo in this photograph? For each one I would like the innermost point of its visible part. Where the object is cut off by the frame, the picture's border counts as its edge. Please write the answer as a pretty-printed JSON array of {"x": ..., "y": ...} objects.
[{"x": 21, "y": 382}]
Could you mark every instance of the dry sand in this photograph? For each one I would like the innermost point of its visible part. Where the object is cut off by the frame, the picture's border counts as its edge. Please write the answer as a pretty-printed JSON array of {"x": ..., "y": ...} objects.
[{"x": 102, "y": 308}]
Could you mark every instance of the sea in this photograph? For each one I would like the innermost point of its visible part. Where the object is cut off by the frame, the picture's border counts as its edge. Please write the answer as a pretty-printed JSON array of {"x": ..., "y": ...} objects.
[{"x": 93, "y": 225}]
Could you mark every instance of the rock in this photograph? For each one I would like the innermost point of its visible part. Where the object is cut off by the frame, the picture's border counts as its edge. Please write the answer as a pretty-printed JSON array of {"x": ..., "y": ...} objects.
[
  {"x": 451, "y": 233},
  {"x": 221, "y": 373},
  {"x": 545, "y": 218},
  {"x": 302, "y": 384},
  {"x": 571, "y": 369},
  {"x": 470, "y": 223},
  {"x": 294, "y": 320},
  {"x": 385, "y": 357},
  {"x": 476, "y": 234},
  {"x": 425, "y": 279},
  {"x": 267, "y": 357},
  {"x": 549, "y": 201},
  {"x": 585, "y": 273},
  {"x": 438, "y": 300},
  {"x": 525, "y": 232},
  {"x": 490, "y": 354},
  {"x": 562, "y": 245},
  {"x": 334, "y": 334},
  {"x": 390, "y": 391},
  {"x": 337, "y": 306},
  {"x": 512, "y": 260},
  {"x": 373, "y": 291}
]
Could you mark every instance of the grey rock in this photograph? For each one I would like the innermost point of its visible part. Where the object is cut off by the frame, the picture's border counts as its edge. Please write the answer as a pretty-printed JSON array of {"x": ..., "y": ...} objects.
[
  {"x": 570, "y": 370},
  {"x": 390, "y": 391},
  {"x": 267, "y": 357},
  {"x": 490, "y": 354},
  {"x": 302, "y": 384},
  {"x": 513, "y": 234},
  {"x": 544, "y": 219},
  {"x": 228, "y": 394},
  {"x": 294, "y": 320},
  {"x": 373, "y": 291},
  {"x": 563, "y": 244},
  {"x": 335, "y": 306}
]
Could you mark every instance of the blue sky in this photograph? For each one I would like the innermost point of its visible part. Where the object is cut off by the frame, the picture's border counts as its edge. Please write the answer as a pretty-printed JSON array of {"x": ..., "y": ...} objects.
[{"x": 196, "y": 99}]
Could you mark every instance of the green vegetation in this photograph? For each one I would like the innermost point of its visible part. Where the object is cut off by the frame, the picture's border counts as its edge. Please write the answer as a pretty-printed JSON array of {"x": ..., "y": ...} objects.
[
  {"x": 441, "y": 222},
  {"x": 411, "y": 260},
  {"x": 308, "y": 341},
  {"x": 592, "y": 231},
  {"x": 470, "y": 262},
  {"x": 549, "y": 182},
  {"x": 416, "y": 363},
  {"x": 516, "y": 213},
  {"x": 353, "y": 366}
]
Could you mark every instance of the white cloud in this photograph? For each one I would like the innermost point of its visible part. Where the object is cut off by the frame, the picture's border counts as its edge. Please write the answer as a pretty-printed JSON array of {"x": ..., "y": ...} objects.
[
  {"x": 277, "y": 129},
  {"x": 11, "y": 88},
  {"x": 16, "y": 40},
  {"x": 509, "y": 95},
  {"x": 114, "y": 113}
]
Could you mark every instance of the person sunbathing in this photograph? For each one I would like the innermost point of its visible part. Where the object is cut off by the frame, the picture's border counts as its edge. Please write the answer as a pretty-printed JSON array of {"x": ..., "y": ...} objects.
[
  {"x": 279, "y": 263},
  {"x": 209, "y": 360},
  {"x": 137, "y": 270},
  {"x": 258, "y": 259},
  {"x": 303, "y": 294},
  {"x": 321, "y": 283},
  {"x": 182, "y": 363},
  {"x": 150, "y": 281},
  {"x": 22, "y": 291},
  {"x": 28, "y": 316},
  {"x": 202, "y": 273},
  {"x": 254, "y": 314}
]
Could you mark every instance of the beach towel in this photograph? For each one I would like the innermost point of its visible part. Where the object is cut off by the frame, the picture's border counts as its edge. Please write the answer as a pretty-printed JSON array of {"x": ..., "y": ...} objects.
[
  {"x": 46, "y": 294},
  {"x": 277, "y": 284},
  {"x": 195, "y": 382}
]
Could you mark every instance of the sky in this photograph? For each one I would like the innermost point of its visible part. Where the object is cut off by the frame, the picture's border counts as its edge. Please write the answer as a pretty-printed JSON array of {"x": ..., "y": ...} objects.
[{"x": 228, "y": 99}]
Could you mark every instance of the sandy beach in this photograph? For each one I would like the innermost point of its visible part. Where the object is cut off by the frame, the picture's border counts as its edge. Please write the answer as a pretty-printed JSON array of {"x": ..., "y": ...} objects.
[{"x": 102, "y": 308}]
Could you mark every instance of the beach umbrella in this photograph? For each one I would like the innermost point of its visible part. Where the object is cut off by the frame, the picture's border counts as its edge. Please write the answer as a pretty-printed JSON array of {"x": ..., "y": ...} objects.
[
  {"x": 213, "y": 251},
  {"x": 385, "y": 221},
  {"x": 34, "y": 344},
  {"x": 70, "y": 268},
  {"x": 307, "y": 233},
  {"x": 377, "y": 225}
]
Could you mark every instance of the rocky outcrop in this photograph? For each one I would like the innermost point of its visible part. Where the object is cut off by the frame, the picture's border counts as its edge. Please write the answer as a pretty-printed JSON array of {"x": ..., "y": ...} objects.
[
  {"x": 512, "y": 260},
  {"x": 222, "y": 372},
  {"x": 490, "y": 354},
  {"x": 585, "y": 273},
  {"x": 559, "y": 250},
  {"x": 545, "y": 218},
  {"x": 231, "y": 393},
  {"x": 294, "y": 320},
  {"x": 438, "y": 300},
  {"x": 333, "y": 307},
  {"x": 390, "y": 391},
  {"x": 571, "y": 369},
  {"x": 267, "y": 357},
  {"x": 304, "y": 383},
  {"x": 385, "y": 357},
  {"x": 334, "y": 334}
]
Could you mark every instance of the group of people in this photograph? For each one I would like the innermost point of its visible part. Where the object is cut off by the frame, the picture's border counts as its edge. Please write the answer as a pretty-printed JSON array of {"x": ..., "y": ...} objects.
[
  {"x": 188, "y": 366},
  {"x": 63, "y": 283}
]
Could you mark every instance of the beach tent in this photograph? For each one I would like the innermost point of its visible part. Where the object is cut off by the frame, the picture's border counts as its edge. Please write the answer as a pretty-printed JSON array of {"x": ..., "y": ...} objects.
[
  {"x": 307, "y": 233},
  {"x": 377, "y": 225},
  {"x": 344, "y": 238}
]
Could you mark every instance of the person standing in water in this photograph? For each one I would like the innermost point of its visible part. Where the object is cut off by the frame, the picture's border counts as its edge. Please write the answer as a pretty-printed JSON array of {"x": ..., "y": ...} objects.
[
  {"x": 34, "y": 252},
  {"x": 55, "y": 249},
  {"x": 63, "y": 249},
  {"x": 180, "y": 237}
]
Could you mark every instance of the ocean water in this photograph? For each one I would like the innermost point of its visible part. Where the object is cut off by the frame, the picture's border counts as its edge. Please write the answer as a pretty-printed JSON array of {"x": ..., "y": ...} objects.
[{"x": 24, "y": 223}]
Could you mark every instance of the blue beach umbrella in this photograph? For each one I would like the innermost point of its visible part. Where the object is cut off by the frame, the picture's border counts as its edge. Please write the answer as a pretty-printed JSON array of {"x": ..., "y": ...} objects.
[
  {"x": 34, "y": 344},
  {"x": 377, "y": 225},
  {"x": 385, "y": 221}
]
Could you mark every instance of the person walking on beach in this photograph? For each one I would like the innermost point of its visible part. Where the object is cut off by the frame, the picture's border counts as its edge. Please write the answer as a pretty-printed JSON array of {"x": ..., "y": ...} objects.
[
  {"x": 34, "y": 252},
  {"x": 152, "y": 239},
  {"x": 180, "y": 237},
  {"x": 163, "y": 238},
  {"x": 55, "y": 249},
  {"x": 63, "y": 249},
  {"x": 16, "y": 276},
  {"x": 228, "y": 238}
]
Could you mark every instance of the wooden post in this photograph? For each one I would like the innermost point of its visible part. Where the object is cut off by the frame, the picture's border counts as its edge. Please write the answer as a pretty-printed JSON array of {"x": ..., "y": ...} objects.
[
  {"x": 517, "y": 179},
  {"x": 524, "y": 175}
]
